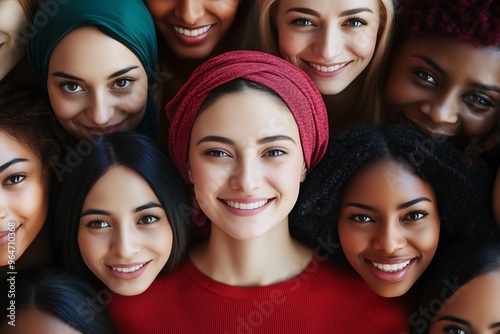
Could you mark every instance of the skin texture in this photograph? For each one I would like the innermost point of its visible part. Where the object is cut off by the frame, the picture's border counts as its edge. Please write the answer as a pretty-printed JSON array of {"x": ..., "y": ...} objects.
[
  {"x": 23, "y": 196},
  {"x": 12, "y": 47},
  {"x": 496, "y": 198},
  {"x": 472, "y": 308},
  {"x": 124, "y": 225},
  {"x": 331, "y": 45},
  {"x": 389, "y": 216},
  {"x": 32, "y": 320},
  {"x": 174, "y": 18},
  {"x": 445, "y": 87},
  {"x": 239, "y": 166},
  {"x": 94, "y": 92}
]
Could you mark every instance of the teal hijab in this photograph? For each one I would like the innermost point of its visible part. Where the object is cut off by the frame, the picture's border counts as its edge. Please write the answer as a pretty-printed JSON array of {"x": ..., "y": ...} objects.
[{"x": 127, "y": 21}]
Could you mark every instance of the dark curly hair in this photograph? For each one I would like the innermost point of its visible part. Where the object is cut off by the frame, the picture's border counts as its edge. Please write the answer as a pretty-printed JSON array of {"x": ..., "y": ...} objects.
[
  {"x": 27, "y": 117},
  {"x": 463, "y": 194},
  {"x": 472, "y": 21}
]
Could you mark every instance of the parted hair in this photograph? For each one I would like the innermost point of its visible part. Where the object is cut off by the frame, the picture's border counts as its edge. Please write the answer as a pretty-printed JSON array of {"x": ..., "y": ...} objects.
[
  {"x": 140, "y": 154},
  {"x": 463, "y": 193}
]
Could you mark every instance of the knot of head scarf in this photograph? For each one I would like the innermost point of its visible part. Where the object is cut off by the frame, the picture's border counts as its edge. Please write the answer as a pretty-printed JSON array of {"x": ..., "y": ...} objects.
[
  {"x": 127, "y": 21},
  {"x": 292, "y": 84}
]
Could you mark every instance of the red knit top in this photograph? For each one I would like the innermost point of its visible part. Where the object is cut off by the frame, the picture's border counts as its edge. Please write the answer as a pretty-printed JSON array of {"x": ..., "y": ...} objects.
[{"x": 324, "y": 298}]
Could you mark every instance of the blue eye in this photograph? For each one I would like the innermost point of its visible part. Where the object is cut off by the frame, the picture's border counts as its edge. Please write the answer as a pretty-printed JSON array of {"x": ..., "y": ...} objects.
[
  {"x": 216, "y": 153},
  {"x": 355, "y": 22},
  {"x": 275, "y": 152},
  {"x": 302, "y": 22}
]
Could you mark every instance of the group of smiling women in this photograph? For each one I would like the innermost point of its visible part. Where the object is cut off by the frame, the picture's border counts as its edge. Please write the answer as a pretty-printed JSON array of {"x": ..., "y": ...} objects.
[{"x": 238, "y": 166}]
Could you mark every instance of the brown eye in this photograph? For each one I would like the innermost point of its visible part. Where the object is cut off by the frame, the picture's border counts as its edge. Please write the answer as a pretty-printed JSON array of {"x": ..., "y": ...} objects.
[{"x": 122, "y": 83}]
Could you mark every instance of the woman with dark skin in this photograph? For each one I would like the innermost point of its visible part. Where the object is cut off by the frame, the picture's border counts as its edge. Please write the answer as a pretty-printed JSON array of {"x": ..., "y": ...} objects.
[{"x": 392, "y": 198}]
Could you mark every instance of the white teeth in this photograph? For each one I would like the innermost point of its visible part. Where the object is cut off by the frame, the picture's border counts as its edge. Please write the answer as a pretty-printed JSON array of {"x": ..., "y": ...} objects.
[
  {"x": 192, "y": 33},
  {"x": 327, "y": 69},
  {"x": 128, "y": 270},
  {"x": 246, "y": 206},
  {"x": 390, "y": 268}
]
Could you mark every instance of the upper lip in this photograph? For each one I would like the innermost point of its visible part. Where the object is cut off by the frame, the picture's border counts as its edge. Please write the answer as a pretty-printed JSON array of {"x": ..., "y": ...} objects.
[
  {"x": 389, "y": 260},
  {"x": 428, "y": 128}
]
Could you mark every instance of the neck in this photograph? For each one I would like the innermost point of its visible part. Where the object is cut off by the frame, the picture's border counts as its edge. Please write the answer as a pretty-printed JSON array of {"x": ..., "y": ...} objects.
[
  {"x": 271, "y": 258},
  {"x": 343, "y": 108}
]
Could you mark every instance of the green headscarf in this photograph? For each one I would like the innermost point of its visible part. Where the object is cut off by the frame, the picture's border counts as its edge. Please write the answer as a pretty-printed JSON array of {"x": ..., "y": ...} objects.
[{"x": 127, "y": 21}]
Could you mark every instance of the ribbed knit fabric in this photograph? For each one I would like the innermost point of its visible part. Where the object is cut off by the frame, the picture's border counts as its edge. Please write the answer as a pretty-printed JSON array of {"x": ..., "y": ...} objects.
[
  {"x": 292, "y": 84},
  {"x": 323, "y": 299}
]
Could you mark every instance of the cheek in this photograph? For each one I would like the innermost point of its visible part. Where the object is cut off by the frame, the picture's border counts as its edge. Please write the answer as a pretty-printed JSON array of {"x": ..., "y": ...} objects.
[
  {"x": 363, "y": 45},
  {"x": 480, "y": 125},
  {"x": 158, "y": 9},
  {"x": 89, "y": 248},
  {"x": 63, "y": 108}
]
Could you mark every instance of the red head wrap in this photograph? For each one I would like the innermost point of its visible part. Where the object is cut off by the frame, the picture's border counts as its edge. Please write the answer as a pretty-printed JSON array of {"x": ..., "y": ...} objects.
[{"x": 293, "y": 85}]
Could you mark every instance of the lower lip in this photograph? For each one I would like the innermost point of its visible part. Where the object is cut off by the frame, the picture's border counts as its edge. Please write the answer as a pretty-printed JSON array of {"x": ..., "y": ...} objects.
[
  {"x": 192, "y": 39},
  {"x": 4, "y": 240},
  {"x": 395, "y": 276},
  {"x": 332, "y": 74},
  {"x": 104, "y": 131},
  {"x": 129, "y": 276},
  {"x": 246, "y": 213}
]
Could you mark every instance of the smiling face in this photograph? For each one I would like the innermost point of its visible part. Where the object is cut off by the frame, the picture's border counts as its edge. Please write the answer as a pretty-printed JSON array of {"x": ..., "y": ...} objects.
[
  {"x": 333, "y": 44},
  {"x": 388, "y": 226},
  {"x": 12, "y": 47},
  {"x": 246, "y": 178},
  {"x": 192, "y": 28},
  {"x": 124, "y": 236},
  {"x": 23, "y": 197},
  {"x": 445, "y": 87},
  {"x": 92, "y": 91},
  {"x": 474, "y": 308}
]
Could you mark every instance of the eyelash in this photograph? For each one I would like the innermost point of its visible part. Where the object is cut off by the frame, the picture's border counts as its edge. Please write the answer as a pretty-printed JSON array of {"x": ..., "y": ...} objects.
[
  {"x": 422, "y": 214},
  {"x": 281, "y": 151},
  {"x": 94, "y": 222},
  {"x": 64, "y": 85},
  {"x": 355, "y": 19},
  {"x": 300, "y": 22}
]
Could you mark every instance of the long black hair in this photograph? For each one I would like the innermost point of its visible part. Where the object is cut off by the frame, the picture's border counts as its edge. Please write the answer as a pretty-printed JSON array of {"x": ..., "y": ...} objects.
[
  {"x": 59, "y": 294},
  {"x": 461, "y": 263},
  {"x": 132, "y": 150}
]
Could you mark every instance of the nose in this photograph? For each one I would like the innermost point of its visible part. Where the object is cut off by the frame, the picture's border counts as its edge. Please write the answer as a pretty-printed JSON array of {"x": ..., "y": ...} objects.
[
  {"x": 247, "y": 176},
  {"x": 329, "y": 44},
  {"x": 125, "y": 243},
  {"x": 389, "y": 238},
  {"x": 442, "y": 111},
  {"x": 101, "y": 110},
  {"x": 189, "y": 11}
]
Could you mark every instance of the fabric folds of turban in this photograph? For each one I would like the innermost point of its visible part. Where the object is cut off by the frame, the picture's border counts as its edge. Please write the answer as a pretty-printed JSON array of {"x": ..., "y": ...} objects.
[{"x": 292, "y": 84}]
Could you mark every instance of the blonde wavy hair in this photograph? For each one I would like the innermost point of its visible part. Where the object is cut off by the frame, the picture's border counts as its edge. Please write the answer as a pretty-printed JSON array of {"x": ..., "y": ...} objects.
[{"x": 373, "y": 85}]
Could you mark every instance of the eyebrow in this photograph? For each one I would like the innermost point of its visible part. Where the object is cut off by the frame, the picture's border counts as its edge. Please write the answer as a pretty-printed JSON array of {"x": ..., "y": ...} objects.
[
  {"x": 431, "y": 62},
  {"x": 492, "y": 88},
  {"x": 224, "y": 140},
  {"x": 496, "y": 324},
  {"x": 114, "y": 75},
  {"x": 347, "y": 12},
  {"x": 455, "y": 319},
  {"x": 10, "y": 163},
  {"x": 146, "y": 206},
  {"x": 399, "y": 207}
]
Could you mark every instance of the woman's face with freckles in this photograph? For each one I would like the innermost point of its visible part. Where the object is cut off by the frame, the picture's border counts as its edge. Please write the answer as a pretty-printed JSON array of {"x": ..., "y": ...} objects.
[{"x": 96, "y": 85}]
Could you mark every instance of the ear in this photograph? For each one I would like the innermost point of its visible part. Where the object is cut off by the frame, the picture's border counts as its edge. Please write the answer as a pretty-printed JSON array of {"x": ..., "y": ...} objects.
[
  {"x": 190, "y": 174},
  {"x": 303, "y": 173}
]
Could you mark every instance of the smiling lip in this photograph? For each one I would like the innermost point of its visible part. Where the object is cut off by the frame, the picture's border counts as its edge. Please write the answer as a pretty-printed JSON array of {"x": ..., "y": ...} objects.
[
  {"x": 4, "y": 236},
  {"x": 104, "y": 130},
  {"x": 328, "y": 71},
  {"x": 390, "y": 269},
  {"x": 406, "y": 122},
  {"x": 246, "y": 206},
  {"x": 128, "y": 271},
  {"x": 192, "y": 35}
]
